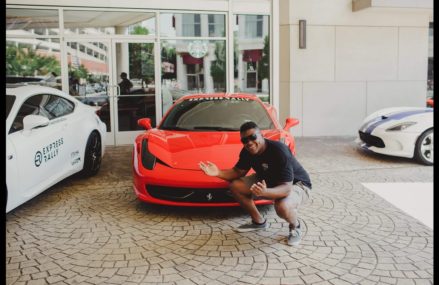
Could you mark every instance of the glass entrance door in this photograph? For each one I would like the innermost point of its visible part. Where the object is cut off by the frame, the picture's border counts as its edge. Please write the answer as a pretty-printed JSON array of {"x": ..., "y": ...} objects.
[
  {"x": 134, "y": 95},
  {"x": 89, "y": 77}
]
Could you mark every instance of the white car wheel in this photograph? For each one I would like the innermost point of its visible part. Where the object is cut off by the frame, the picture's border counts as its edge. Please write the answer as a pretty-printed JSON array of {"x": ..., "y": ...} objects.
[
  {"x": 424, "y": 148},
  {"x": 93, "y": 155}
]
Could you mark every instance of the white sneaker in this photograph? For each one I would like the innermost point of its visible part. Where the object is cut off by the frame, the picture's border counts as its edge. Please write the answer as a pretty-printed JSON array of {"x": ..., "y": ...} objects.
[{"x": 295, "y": 237}]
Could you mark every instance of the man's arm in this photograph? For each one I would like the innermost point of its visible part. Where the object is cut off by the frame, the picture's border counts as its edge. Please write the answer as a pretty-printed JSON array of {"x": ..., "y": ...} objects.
[
  {"x": 280, "y": 191},
  {"x": 228, "y": 174},
  {"x": 232, "y": 174}
]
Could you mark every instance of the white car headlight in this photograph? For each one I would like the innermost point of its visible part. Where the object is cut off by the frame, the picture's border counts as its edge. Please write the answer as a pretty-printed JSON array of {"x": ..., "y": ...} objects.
[{"x": 400, "y": 126}]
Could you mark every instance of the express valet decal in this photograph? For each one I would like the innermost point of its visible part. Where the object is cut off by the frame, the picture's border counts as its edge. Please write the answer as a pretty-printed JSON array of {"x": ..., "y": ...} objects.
[{"x": 48, "y": 152}]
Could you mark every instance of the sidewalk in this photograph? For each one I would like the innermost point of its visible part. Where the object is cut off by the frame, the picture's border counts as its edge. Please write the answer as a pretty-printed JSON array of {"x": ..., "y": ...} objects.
[{"x": 95, "y": 231}]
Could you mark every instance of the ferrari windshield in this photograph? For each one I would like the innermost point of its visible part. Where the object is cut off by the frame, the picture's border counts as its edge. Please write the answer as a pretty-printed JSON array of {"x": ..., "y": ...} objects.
[{"x": 216, "y": 114}]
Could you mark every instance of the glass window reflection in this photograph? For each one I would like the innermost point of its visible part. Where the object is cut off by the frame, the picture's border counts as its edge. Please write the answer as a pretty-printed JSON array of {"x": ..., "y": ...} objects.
[
  {"x": 192, "y": 25},
  {"x": 192, "y": 67},
  {"x": 252, "y": 55},
  {"x": 31, "y": 21},
  {"x": 88, "y": 76},
  {"x": 34, "y": 61},
  {"x": 101, "y": 23}
]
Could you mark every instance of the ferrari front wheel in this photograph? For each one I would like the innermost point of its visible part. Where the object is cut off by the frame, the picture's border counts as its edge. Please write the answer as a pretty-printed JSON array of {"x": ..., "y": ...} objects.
[{"x": 424, "y": 148}]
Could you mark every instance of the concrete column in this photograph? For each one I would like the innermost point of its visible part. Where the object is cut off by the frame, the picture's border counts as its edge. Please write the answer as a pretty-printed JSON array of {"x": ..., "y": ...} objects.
[
  {"x": 181, "y": 73},
  {"x": 284, "y": 64},
  {"x": 207, "y": 60},
  {"x": 240, "y": 72},
  {"x": 204, "y": 25},
  {"x": 122, "y": 55}
]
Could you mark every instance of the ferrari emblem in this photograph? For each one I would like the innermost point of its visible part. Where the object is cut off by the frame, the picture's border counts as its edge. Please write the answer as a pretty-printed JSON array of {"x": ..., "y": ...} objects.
[{"x": 209, "y": 197}]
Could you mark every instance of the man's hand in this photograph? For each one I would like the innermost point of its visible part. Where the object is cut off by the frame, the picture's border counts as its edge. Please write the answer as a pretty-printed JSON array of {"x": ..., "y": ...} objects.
[
  {"x": 209, "y": 168},
  {"x": 259, "y": 189}
]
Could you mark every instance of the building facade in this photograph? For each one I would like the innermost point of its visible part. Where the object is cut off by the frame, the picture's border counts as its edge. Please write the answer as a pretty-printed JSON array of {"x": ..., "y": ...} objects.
[
  {"x": 347, "y": 60},
  {"x": 360, "y": 56}
]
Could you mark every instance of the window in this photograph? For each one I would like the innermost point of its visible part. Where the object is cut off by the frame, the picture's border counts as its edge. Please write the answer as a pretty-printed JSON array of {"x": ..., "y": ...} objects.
[
  {"x": 39, "y": 31},
  {"x": 100, "y": 23},
  {"x": 58, "y": 106},
  {"x": 34, "y": 21},
  {"x": 216, "y": 26},
  {"x": 253, "y": 26},
  {"x": 252, "y": 55},
  {"x": 32, "y": 59},
  {"x": 9, "y": 103},
  {"x": 213, "y": 114},
  {"x": 49, "y": 106},
  {"x": 191, "y": 25}
]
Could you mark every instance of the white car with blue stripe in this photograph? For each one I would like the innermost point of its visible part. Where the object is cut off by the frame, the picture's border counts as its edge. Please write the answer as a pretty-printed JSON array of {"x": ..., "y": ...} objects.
[
  {"x": 49, "y": 136},
  {"x": 400, "y": 131}
]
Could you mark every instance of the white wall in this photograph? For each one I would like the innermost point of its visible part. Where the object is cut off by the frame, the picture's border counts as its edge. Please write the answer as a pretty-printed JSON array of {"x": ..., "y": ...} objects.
[{"x": 354, "y": 63}]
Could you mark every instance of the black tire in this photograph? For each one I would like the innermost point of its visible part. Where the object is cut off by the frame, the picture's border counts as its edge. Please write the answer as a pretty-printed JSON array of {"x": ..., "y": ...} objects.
[
  {"x": 424, "y": 148},
  {"x": 92, "y": 155}
]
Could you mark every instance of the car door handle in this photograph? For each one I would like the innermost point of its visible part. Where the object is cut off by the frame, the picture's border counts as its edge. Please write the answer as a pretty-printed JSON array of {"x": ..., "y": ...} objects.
[{"x": 10, "y": 157}]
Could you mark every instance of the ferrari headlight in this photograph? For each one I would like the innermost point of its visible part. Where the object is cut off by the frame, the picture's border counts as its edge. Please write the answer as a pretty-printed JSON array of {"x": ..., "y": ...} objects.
[
  {"x": 148, "y": 159},
  {"x": 400, "y": 127}
]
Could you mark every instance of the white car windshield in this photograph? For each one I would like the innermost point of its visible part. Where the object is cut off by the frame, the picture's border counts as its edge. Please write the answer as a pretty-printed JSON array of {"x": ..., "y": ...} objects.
[{"x": 9, "y": 103}]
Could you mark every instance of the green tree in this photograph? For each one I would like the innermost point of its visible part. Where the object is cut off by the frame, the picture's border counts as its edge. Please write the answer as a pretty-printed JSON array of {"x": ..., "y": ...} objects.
[
  {"x": 139, "y": 30},
  {"x": 141, "y": 56},
  {"x": 264, "y": 63},
  {"x": 218, "y": 67},
  {"x": 25, "y": 61},
  {"x": 168, "y": 54},
  {"x": 80, "y": 72}
]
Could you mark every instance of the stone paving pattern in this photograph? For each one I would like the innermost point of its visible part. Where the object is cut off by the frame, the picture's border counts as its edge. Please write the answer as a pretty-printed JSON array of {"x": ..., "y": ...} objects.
[{"x": 95, "y": 231}]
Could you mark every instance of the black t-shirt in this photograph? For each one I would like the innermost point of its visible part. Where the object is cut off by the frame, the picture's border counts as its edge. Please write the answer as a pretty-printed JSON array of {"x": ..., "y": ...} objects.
[
  {"x": 125, "y": 86},
  {"x": 275, "y": 165}
]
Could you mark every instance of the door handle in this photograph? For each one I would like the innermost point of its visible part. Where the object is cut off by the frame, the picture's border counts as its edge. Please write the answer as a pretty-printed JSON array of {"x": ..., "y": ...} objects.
[
  {"x": 117, "y": 89},
  {"x": 10, "y": 156}
]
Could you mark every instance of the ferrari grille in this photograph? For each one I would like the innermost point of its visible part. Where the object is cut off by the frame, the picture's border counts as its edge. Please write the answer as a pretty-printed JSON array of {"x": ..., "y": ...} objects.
[
  {"x": 193, "y": 195},
  {"x": 371, "y": 140}
]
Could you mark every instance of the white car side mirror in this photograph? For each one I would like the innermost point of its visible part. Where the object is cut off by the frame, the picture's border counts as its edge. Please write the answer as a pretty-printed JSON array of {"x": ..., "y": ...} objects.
[{"x": 33, "y": 121}]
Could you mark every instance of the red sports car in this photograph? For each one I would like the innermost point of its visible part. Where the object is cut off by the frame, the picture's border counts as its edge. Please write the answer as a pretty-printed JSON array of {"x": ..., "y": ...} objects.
[{"x": 201, "y": 127}]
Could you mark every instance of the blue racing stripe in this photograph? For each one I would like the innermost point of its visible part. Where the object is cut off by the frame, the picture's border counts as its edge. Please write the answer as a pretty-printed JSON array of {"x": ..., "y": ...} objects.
[{"x": 396, "y": 116}]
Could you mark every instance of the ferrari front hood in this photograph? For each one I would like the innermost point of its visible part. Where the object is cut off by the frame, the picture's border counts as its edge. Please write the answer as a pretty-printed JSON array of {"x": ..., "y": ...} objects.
[{"x": 184, "y": 150}]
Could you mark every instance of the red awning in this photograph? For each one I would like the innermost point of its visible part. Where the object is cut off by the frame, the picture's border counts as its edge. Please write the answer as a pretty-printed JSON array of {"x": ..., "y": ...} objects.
[
  {"x": 189, "y": 59},
  {"x": 252, "y": 55}
]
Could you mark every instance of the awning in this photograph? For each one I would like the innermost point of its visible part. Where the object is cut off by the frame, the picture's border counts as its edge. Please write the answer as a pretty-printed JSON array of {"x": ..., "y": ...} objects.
[
  {"x": 189, "y": 59},
  {"x": 252, "y": 55}
]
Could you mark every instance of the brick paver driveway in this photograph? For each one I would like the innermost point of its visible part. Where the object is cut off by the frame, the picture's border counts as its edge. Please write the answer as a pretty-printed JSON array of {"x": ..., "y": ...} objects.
[{"x": 95, "y": 231}]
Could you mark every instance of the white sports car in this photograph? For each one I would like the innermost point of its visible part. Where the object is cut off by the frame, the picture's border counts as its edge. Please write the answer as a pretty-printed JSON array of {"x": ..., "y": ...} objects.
[
  {"x": 400, "y": 131},
  {"x": 49, "y": 136}
]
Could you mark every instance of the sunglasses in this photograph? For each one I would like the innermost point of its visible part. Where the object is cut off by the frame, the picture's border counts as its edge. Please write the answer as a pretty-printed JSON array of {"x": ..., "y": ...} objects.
[{"x": 251, "y": 137}]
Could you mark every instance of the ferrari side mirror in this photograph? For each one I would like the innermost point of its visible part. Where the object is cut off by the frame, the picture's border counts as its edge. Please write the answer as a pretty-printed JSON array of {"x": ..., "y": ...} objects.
[
  {"x": 290, "y": 122},
  {"x": 145, "y": 123}
]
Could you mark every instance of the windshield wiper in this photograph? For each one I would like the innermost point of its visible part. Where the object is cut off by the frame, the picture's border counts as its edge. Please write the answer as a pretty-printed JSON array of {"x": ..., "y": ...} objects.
[{"x": 214, "y": 128}]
